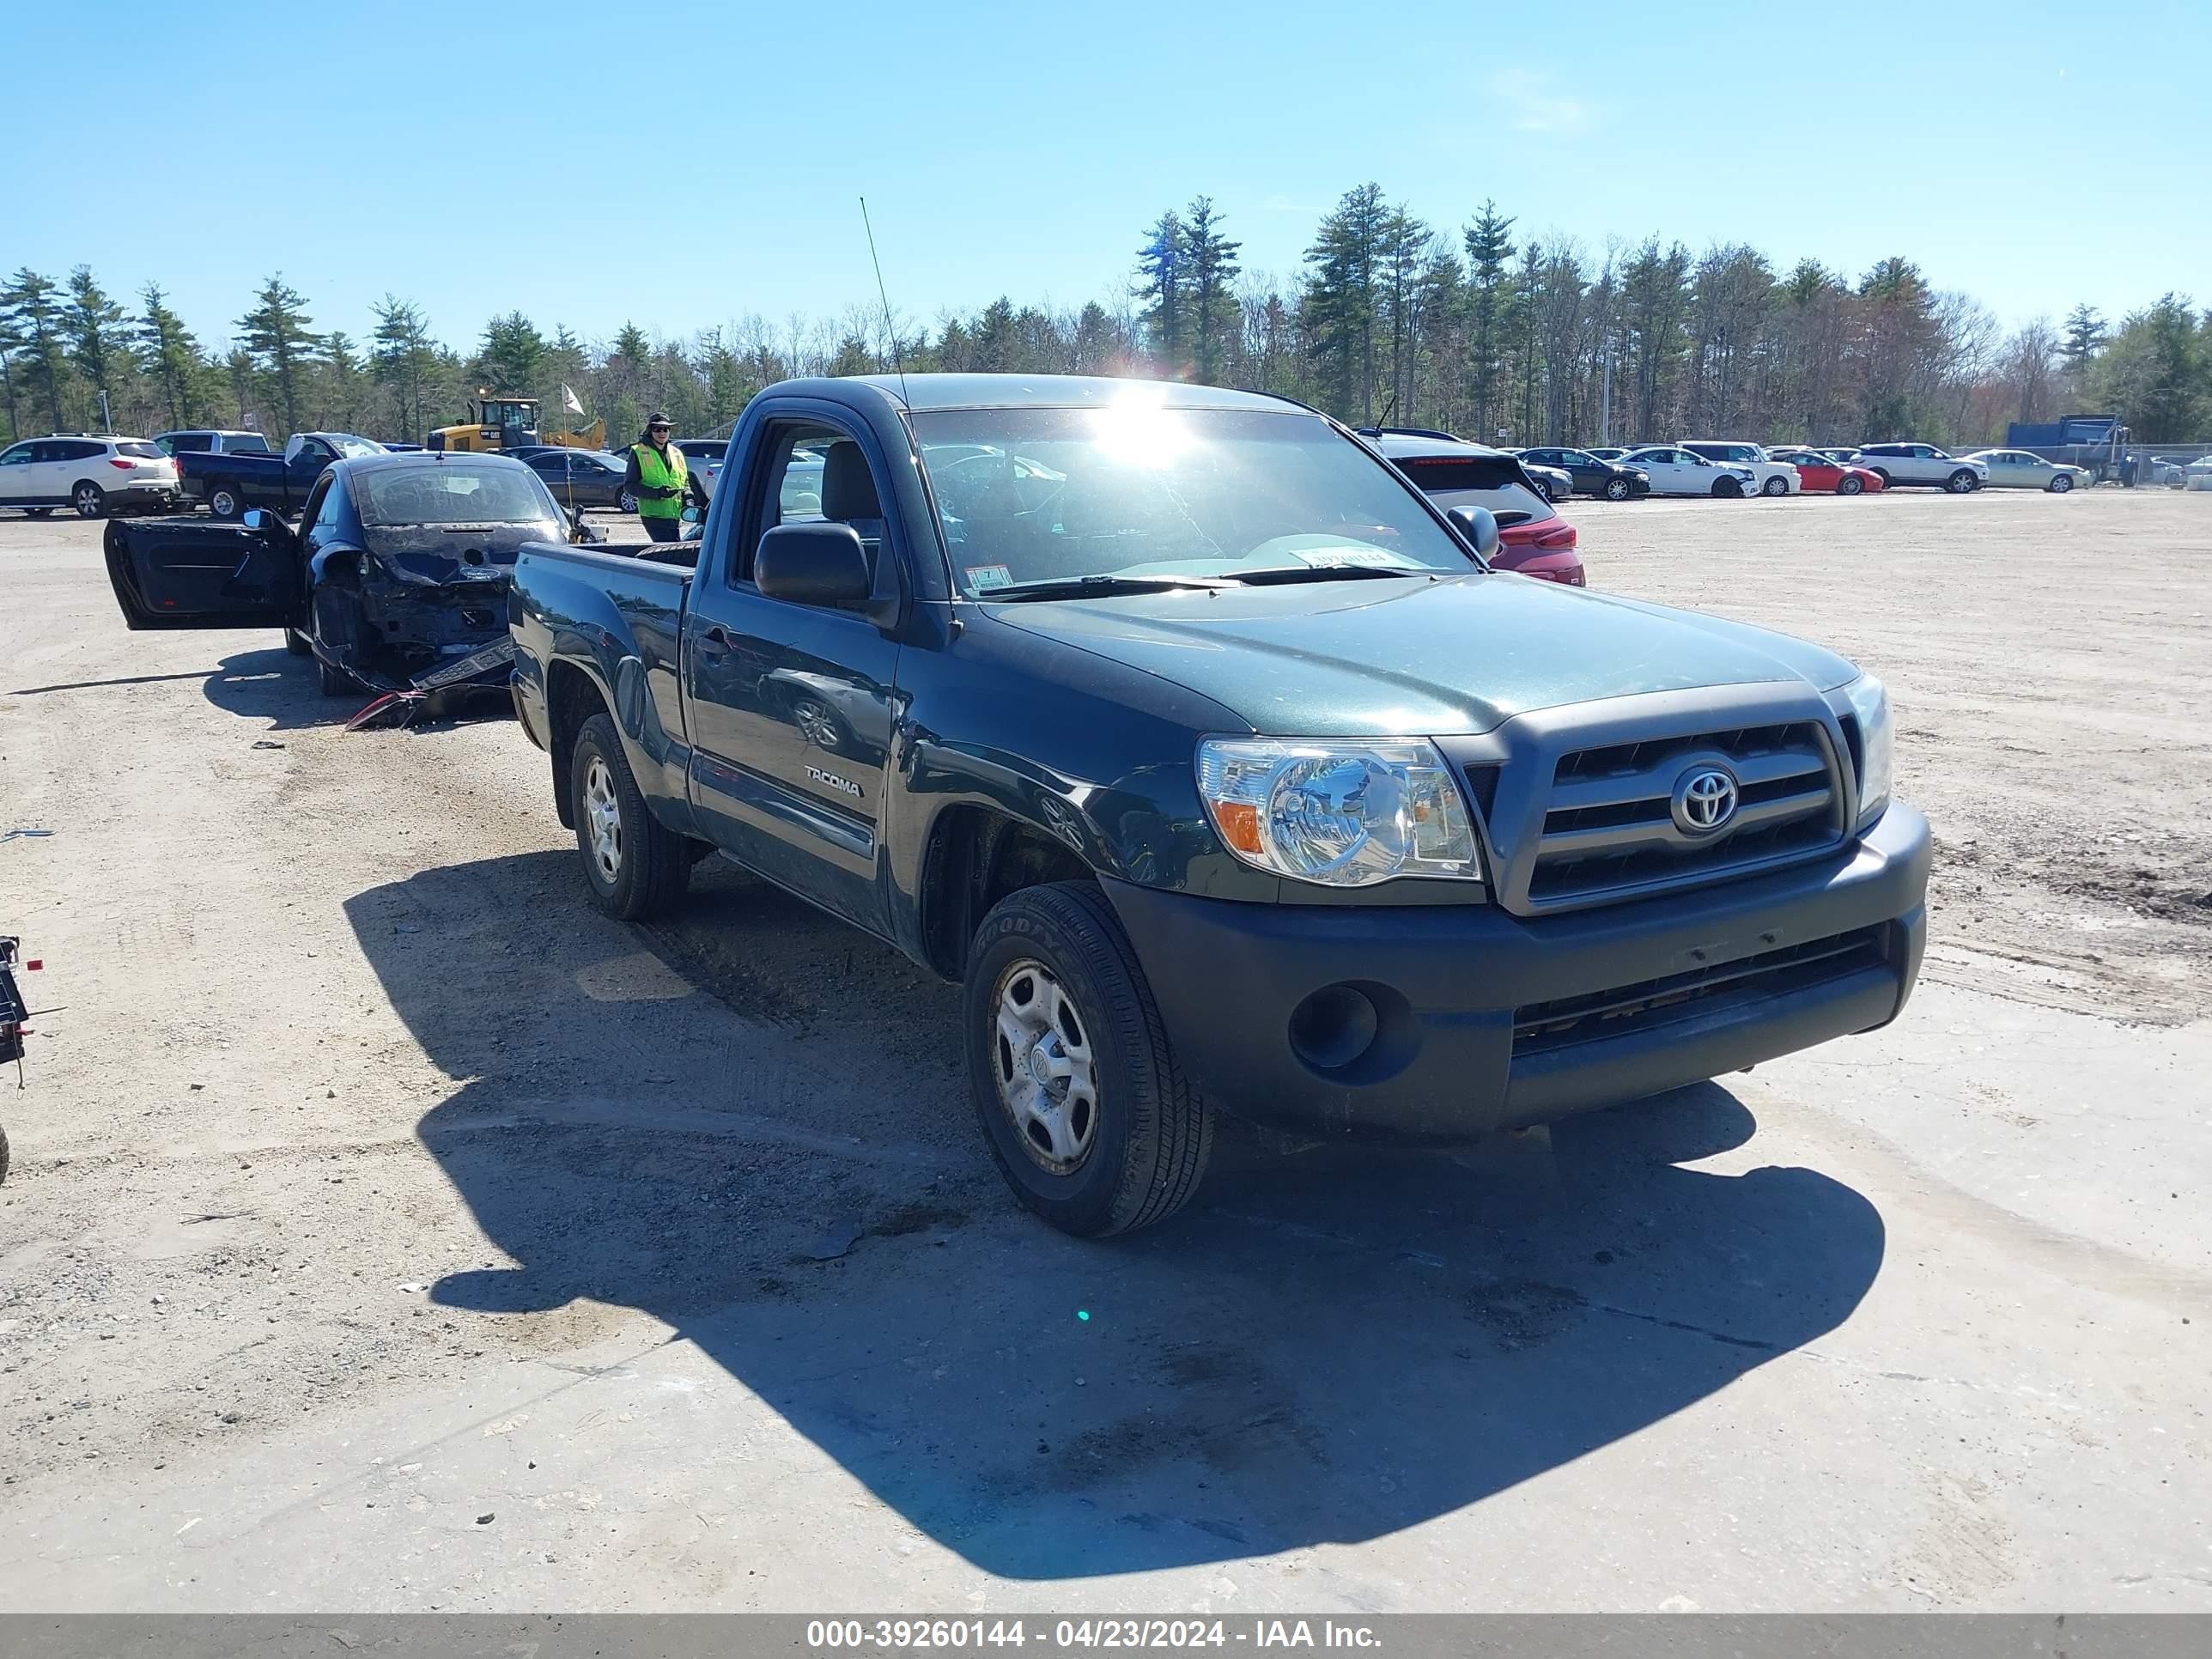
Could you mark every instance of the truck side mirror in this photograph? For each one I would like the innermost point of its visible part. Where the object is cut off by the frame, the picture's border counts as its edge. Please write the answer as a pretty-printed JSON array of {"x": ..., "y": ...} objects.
[
  {"x": 818, "y": 564},
  {"x": 1479, "y": 526}
]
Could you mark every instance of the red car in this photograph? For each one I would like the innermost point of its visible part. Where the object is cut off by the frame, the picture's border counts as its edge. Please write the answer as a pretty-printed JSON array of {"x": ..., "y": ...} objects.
[
  {"x": 1533, "y": 539},
  {"x": 1821, "y": 475}
]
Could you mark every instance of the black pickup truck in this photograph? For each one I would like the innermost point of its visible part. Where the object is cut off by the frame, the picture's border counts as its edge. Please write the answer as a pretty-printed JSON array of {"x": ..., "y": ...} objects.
[
  {"x": 1219, "y": 768},
  {"x": 232, "y": 481}
]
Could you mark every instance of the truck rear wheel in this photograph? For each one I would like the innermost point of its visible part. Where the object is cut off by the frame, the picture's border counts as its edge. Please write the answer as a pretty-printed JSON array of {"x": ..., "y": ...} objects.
[
  {"x": 1091, "y": 1119},
  {"x": 634, "y": 865},
  {"x": 223, "y": 502}
]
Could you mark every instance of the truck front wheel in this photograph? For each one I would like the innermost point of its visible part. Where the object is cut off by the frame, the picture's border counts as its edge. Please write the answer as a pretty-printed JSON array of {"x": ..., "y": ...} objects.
[
  {"x": 634, "y": 865},
  {"x": 1090, "y": 1117}
]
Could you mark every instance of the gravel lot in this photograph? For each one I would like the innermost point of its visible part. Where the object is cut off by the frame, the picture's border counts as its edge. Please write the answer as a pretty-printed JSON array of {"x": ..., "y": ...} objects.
[{"x": 388, "y": 1230}]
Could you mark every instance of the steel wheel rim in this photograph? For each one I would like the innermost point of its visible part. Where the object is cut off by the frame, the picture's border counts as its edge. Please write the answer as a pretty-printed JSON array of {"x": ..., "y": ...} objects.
[
  {"x": 603, "y": 819},
  {"x": 1043, "y": 1064}
]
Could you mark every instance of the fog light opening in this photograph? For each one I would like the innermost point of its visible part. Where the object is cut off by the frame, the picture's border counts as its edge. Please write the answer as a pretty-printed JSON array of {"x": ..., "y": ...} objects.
[{"x": 1333, "y": 1027}]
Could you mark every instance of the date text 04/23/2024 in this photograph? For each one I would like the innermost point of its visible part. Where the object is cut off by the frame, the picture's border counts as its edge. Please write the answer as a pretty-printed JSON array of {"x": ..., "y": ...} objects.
[{"x": 895, "y": 1634}]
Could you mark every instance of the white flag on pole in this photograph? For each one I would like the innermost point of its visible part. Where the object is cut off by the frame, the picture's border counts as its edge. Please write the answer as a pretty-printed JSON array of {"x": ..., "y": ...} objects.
[{"x": 568, "y": 398}]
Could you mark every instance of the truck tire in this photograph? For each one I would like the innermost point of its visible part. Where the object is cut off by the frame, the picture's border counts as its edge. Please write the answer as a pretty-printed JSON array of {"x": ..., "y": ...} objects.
[
  {"x": 1962, "y": 483},
  {"x": 634, "y": 865},
  {"x": 1847, "y": 485},
  {"x": 1089, "y": 1116},
  {"x": 223, "y": 502},
  {"x": 88, "y": 499}
]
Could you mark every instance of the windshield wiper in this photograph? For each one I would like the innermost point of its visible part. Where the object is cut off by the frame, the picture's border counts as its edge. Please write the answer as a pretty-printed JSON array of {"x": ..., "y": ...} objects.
[
  {"x": 1276, "y": 575},
  {"x": 1098, "y": 588}
]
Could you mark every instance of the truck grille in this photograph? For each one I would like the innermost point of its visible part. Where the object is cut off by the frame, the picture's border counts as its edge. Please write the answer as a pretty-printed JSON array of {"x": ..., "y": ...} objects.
[
  {"x": 1610, "y": 830},
  {"x": 1541, "y": 1027}
]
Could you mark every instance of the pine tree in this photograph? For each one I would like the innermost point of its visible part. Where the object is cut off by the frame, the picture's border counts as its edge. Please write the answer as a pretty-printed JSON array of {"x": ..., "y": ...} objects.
[
  {"x": 1339, "y": 302},
  {"x": 2085, "y": 338},
  {"x": 2153, "y": 370},
  {"x": 276, "y": 336},
  {"x": 512, "y": 357},
  {"x": 1405, "y": 243},
  {"x": 168, "y": 355},
  {"x": 98, "y": 337},
  {"x": 1211, "y": 260},
  {"x": 342, "y": 384},
  {"x": 30, "y": 306},
  {"x": 403, "y": 360},
  {"x": 1162, "y": 280},
  {"x": 1489, "y": 300}
]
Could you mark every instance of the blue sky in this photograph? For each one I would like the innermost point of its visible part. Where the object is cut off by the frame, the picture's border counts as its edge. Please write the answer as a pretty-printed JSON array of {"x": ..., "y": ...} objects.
[{"x": 684, "y": 164}]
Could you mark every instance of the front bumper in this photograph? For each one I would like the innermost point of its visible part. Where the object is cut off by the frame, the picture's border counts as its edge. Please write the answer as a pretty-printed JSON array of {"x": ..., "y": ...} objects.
[{"x": 1474, "y": 1019}]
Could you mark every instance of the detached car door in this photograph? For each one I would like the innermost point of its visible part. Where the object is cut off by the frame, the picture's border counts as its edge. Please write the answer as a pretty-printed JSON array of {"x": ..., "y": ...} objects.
[{"x": 189, "y": 573}]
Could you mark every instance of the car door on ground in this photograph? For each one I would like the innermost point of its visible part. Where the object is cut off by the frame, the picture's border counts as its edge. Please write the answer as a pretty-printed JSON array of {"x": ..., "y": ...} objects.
[{"x": 791, "y": 705}]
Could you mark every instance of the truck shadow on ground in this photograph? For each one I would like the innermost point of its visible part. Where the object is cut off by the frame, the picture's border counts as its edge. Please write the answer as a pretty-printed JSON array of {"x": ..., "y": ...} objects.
[{"x": 1326, "y": 1348}]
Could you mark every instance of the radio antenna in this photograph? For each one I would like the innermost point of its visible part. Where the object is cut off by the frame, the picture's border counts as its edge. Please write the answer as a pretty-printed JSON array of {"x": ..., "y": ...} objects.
[{"x": 898, "y": 358}]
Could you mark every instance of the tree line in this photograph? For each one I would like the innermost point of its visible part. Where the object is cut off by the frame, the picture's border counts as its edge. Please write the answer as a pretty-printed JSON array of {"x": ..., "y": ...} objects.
[{"x": 1479, "y": 329}]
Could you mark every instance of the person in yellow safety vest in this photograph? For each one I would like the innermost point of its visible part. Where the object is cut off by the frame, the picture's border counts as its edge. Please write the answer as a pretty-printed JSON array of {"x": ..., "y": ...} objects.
[{"x": 659, "y": 479}]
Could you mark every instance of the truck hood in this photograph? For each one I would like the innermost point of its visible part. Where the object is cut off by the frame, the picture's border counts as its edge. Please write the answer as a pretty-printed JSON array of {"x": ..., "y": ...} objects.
[{"x": 1460, "y": 655}]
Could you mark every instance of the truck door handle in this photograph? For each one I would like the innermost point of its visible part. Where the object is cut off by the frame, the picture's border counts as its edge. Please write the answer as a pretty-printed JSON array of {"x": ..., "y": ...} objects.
[{"x": 715, "y": 639}]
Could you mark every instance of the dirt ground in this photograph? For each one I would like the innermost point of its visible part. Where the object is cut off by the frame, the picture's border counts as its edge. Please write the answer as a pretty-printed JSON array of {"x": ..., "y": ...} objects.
[{"x": 389, "y": 1231}]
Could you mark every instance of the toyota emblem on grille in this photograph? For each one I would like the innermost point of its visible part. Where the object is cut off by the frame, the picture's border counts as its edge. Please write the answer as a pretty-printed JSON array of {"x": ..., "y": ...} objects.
[{"x": 1705, "y": 800}]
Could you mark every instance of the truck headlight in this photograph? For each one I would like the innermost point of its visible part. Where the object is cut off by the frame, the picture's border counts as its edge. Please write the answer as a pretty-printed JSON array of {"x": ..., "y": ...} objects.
[
  {"x": 1877, "y": 744},
  {"x": 1344, "y": 813}
]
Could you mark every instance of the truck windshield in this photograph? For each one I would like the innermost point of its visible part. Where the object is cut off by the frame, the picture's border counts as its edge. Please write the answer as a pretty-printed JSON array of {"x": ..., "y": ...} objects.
[
  {"x": 1138, "y": 489},
  {"x": 447, "y": 494}
]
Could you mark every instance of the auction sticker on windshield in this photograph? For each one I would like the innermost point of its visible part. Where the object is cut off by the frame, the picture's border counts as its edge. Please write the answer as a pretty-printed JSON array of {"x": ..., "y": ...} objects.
[
  {"x": 982, "y": 576},
  {"x": 1328, "y": 555}
]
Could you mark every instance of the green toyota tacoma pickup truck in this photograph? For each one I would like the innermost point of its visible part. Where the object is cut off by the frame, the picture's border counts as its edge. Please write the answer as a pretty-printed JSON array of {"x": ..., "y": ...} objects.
[{"x": 1213, "y": 761}]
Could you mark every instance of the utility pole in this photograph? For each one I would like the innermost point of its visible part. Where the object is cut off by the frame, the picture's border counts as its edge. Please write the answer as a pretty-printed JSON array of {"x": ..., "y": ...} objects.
[
  {"x": 1605, "y": 398},
  {"x": 107, "y": 420}
]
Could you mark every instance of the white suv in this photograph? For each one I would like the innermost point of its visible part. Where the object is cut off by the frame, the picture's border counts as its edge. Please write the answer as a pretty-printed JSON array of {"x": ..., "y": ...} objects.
[
  {"x": 1924, "y": 464},
  {"x": 1774, "y": 477},
  {"x": 92, "y": 475}
]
